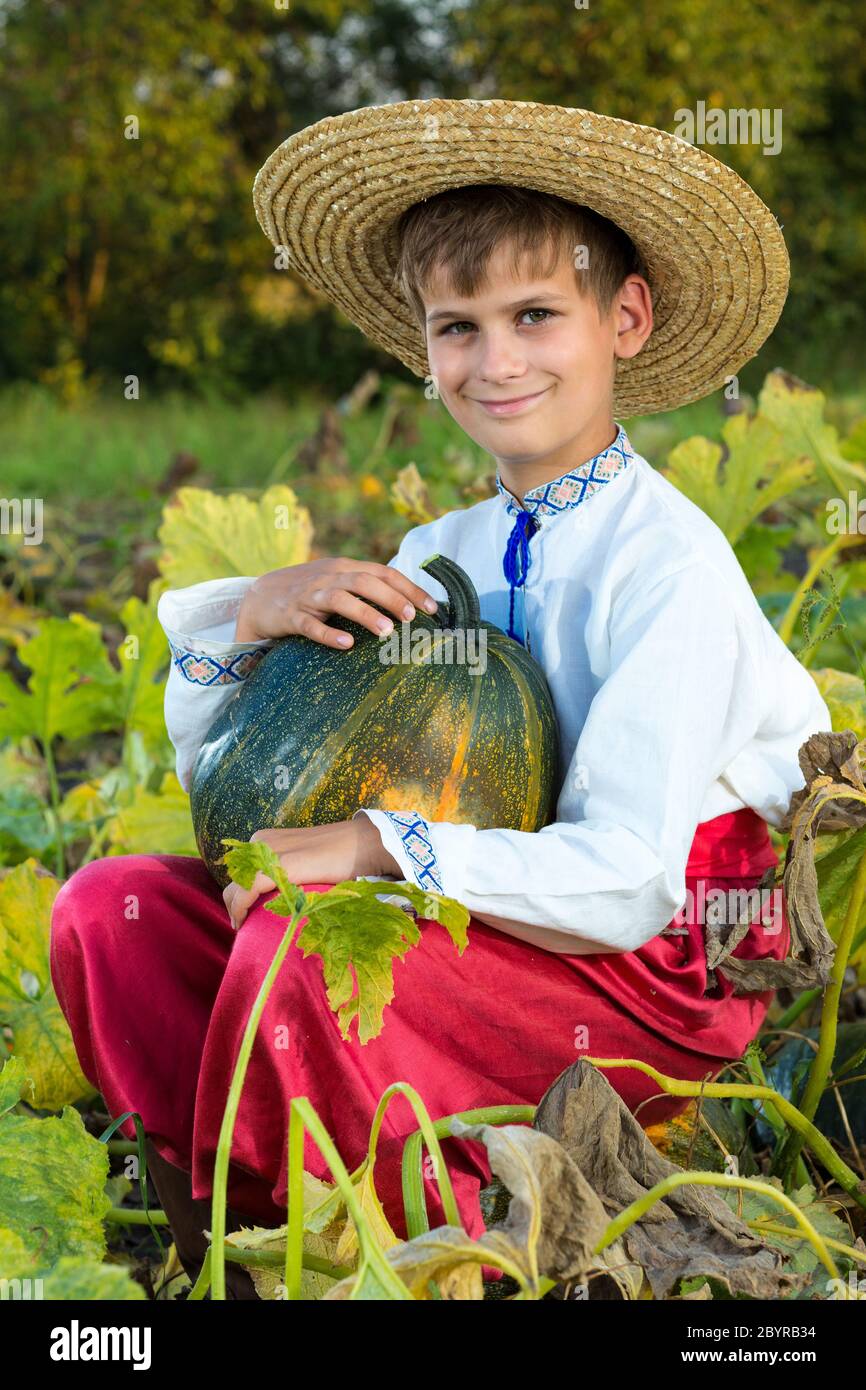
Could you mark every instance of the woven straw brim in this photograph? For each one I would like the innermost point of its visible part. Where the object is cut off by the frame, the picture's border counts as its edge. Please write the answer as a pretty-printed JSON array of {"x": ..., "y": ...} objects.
[{"x": 717, "y": 263}]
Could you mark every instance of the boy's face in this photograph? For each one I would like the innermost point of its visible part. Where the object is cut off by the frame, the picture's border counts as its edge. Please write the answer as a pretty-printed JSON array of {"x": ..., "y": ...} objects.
[{"x": 526, "y": 367}]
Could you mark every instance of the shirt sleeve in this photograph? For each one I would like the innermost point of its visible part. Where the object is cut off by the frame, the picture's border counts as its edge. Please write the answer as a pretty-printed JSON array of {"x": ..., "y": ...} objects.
[
  {"x": 208, "y": 667},
  {"x": 676, "y": 703}
]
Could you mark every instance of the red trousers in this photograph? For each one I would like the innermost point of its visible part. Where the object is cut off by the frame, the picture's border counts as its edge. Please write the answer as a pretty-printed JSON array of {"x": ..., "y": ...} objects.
[{"x": 157, "y": 990}]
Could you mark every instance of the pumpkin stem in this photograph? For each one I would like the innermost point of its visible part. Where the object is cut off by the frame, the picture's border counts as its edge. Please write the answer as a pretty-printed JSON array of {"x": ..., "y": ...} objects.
[{"x": 463, "y": 608}]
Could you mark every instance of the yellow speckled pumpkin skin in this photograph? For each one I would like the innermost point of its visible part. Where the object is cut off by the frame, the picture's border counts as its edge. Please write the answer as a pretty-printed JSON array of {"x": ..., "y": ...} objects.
[{"x": 315, "y": 733}]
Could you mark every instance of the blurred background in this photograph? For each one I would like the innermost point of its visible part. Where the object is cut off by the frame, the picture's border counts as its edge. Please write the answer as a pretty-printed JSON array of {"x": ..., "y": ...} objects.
[{"x": 142, "y": 256}]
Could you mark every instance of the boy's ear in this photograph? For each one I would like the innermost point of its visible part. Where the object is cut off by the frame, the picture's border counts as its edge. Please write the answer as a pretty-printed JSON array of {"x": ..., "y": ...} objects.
[{"x": 635, "y": 316}]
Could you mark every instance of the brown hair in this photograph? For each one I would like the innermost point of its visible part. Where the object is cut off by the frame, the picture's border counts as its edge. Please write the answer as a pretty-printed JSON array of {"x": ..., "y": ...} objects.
[{"x": 459, "y": 229}]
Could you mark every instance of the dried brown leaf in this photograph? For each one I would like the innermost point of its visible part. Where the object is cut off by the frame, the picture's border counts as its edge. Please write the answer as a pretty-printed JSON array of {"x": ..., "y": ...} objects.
[
  {"x": 692, "y": 1231},
  {"x": 831, "y": 764}
]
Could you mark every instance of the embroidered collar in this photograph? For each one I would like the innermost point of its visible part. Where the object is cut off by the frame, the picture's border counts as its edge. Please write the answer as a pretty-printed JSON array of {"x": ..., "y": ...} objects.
[{"x": 549, "y": 499}]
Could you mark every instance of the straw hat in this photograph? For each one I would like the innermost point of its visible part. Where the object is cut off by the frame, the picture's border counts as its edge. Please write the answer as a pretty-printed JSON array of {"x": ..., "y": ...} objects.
[{"x": 718, "y": 266}]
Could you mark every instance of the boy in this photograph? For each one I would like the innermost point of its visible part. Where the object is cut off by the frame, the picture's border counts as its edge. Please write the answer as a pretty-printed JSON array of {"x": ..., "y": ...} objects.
[{"x": 539, "y": 318}]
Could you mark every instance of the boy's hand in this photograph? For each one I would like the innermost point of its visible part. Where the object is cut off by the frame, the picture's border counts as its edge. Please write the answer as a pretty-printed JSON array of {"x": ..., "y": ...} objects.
[
  {"x": 316, "y": 854},
  {"x": 294, "y": 600}
]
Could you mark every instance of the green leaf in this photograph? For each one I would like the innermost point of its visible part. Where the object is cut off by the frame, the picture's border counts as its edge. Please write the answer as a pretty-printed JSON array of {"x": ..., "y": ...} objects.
[
  {"x": 73, "y": 1278},
  {"x": 205, "y": 536},
  {"x": 845, "y": 697},
  {"x": 797, "y": 411},
  {"x": 28, "y": 1004},
  {"x": 143, "y": 663},
  {"x": 434, "y": 906},
  {"x": 853, "y": 447},
  {"x": 358, "y": 938},
  {"x": 24, "y": 825},
  {"x": 13, "y": 1083},
  {"x": 758, "y": 472},
  {"x": 757, "y": 1207},
  {"x": 52, "y": 1185},
  {"x": 759, "y": 551},
  {"x": 356, "y": 934},
  {"x": 836, "y": 871},
  {"x": 76, "y": 1280},
  {"x": 72, "y": 690},
  {"x": 16, "y": 1260},
  {"x": 245, "y": 858},
  {"x": 154, "y": 822}
]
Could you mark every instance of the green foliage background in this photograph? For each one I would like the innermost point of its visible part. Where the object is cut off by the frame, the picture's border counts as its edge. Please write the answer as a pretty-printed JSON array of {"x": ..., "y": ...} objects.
[{"x": 143, "y": 255}]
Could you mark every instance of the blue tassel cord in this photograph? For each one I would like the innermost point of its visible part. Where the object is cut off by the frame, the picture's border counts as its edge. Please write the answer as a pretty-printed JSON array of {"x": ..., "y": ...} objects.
[{"x": 517, "y": 561}]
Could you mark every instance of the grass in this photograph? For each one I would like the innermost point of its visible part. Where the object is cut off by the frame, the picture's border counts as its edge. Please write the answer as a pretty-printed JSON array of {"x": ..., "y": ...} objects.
[{"x": 103, "y": 446}]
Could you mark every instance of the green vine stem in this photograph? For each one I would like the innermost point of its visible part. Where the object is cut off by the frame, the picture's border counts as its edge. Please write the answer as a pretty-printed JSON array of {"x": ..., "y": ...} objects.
[
  {"x": 414, "y": 1204},
  {"x": 443, "y": 1177},
  {"x": 295, "y": 1176},
  {"x": 808, "y": 996},
  {"x": 642, "y": 1205},
  {"x": 224, "y": 1143},
  {"x": 261, "y": 1259},
  {"x": 302, "y": 1116},
  {"x": 771, "y": 1114},
  {"x": 813, "y": 1138},
  {"x": 131, "y": 1216},
  {"x": 139, "y": 1147},
  {"x": 822, "y": 1063}
]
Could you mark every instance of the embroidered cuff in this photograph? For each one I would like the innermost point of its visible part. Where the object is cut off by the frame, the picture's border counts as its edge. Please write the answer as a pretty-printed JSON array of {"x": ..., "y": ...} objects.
[
  {"x": 406, "y": 836},
  {"x": 201, "y": 668}
]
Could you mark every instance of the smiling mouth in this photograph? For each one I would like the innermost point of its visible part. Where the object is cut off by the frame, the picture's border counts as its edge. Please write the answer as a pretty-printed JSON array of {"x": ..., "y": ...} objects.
[{"x": 509, "y": 407}]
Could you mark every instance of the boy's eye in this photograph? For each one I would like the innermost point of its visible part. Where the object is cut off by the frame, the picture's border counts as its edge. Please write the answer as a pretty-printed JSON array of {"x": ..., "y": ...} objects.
[{"x": 465, "y": 323}]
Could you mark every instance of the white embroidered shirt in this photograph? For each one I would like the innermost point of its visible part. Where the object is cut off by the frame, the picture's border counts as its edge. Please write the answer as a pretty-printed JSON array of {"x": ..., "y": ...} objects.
[{"x": 676, "y": 699}]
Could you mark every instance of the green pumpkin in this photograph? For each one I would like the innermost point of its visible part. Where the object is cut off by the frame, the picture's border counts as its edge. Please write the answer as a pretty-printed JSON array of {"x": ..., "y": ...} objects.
[{"x": 315, "y": 733}]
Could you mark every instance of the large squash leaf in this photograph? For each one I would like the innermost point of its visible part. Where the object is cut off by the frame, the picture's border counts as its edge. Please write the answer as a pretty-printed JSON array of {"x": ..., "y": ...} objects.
[
  {"x": 28, "y": 1004},
  {"x": 128, "y": 816},
  {"x": 206, "y": 536},
  {"x": 25, "y": 826},
  {"x": 760, "y": 469},
  {"x": 52, "y": 1186},
  {"x": 75, "y": 1281},
  {"x": 797, "y": 411},
  {"x": 72, "y": 1279},
  {"x": 853, "y": 447},
  {"x": 52, "y": 1204},
  {"x": 760, "y": 552},
  {"x": 764, "y": 1216},
  {"x": 16, "y": 1261},
  {"x": 836, "y": 869},
  {"x": 72, "y": 689}
]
